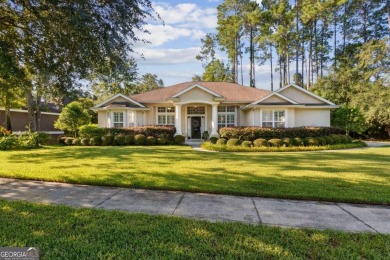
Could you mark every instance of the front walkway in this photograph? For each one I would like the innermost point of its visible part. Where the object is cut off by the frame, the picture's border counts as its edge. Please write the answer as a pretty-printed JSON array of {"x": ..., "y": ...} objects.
[{"x": 278, "y": 212}]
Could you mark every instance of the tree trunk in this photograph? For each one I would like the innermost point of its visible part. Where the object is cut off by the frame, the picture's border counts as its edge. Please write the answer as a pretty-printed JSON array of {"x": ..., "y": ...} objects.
[
  {"x": 272, "y": 69},
  {"x": 7, "y": 114},
  {"x": 31, "y": 111},
  {"x": 297, "y": 38},
  {"x": 303, "y": 64},
  {"x": 315, "y": 50},
  {"x": 344, "y": 26},
  {"x": 309, "y": 65},
  {"x": 364, "y": 7},
  {"x": 251, "y": 57},
  {"x": 335, "y": 43},
  {"x": 280, "y": 71}
]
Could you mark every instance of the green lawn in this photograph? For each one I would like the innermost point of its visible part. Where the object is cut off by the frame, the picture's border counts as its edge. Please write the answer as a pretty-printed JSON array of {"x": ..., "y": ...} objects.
[
  {"x": 62, "y": 232},
  {"x": 361, "y": 175}
]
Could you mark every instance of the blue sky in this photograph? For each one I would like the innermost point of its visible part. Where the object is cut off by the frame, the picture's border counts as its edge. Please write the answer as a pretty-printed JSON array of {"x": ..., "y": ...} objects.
[{"x": 171, "y": 53}]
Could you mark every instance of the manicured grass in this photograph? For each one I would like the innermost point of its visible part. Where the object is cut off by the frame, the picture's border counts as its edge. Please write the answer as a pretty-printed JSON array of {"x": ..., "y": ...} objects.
[
  {"x": 62, "y": 232},
  {"x": 224, "y": 148},
  {"x": 361, "y": 175}
]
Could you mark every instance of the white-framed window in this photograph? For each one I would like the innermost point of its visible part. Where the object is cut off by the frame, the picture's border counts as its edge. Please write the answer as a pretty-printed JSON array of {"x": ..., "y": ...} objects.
[
  {"x": 226, "y": 116},
  {"x": 166, "y": 115},
  {"x": 273, "y": 118},
  {"x": 195, "y": 110},
  {"x": 117, "y": 119}
]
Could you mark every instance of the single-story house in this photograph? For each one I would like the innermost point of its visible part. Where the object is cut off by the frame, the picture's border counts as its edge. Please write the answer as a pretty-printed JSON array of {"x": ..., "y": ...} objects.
[
  {"x": 195, "y": 107},
  {"x": 19, "y": 121}
]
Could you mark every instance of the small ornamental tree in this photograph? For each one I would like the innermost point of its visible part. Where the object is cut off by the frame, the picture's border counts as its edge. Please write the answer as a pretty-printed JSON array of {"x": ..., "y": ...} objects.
[
  {"x": 72, "y": 117},
  {"x": 349, "y": 119}
]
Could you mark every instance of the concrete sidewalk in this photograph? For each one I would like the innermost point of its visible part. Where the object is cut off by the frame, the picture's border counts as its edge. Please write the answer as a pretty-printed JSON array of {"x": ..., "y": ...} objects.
[{"x": 278, "y": 212}]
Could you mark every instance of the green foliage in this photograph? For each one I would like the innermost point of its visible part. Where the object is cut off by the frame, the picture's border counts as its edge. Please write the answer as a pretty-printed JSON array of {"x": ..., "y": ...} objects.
[
  {"x": 72, "y": 117},
  {"x": 161, "y": 140},
  {"x": 321, "y": 141},
  {"x": 76, "y": 141},
  {"x": 213, "y": 140},
  {"x": 310, "y": 141},
  {"x": 179, "y": 139},
  {"x": 85, "y": 141},
  {"x": 252, "y": 133},
  {"x": 233, "y": 142},
  {"x": 32, "y": 139},
  {"x": 260, "y": 142},
  {"x": 119, "y": 139},
  {"x": 246, "y": 144},
  {"x": 69, "y": 140},
  {"x": 298, "y": 141},
  {"x": 151, "y": 140},
  {"x": 8, "y": 142},
  {"x": 336, "y": 138},
  {"x": 328, "y": 139},
  {"x": 140, "y": 139},
  {"x": 275, "y": 142},
  {"x": 62, "y": 139},
  {"x": 4, "y": 132},
  {"x": 343, "y": 139},
  {"x": 350, "y": 140},
  {"x": 287, "y": 141},
  {"x": 108, "y": 139},
  {"x": 90, "y": 130},
  {"x": 221, "y": 141},
  {"x": 129, "y": 139},
  {"x": 167, "y": 131},
  {"x": 349, "y": 119},
  {"x": 95, "y": 141}
]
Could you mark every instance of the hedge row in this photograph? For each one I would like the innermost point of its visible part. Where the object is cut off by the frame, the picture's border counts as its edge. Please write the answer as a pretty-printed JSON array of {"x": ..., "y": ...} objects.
[
  {"x": 121, "y": 139},
  {"x": 285, "y": 142},
  {"x": 88, "y": 131},
  {"x": 252, "y": 133}
]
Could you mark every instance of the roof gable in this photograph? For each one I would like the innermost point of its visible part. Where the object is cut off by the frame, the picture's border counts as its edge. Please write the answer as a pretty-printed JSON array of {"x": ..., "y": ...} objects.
[
  {"x": 274, "y": 98},
  {"x": 119, "y": 99},
  {"x": 196, "y": 86},
  {"x": 302, "y": 96}
]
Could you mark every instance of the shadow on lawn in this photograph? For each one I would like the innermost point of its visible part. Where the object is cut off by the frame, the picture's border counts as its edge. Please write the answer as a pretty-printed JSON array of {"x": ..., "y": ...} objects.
[{"x": 212, "y": 172}]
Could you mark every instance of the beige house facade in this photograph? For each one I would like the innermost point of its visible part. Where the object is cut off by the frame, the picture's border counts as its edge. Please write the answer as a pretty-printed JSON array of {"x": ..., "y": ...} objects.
[{"x": 195, "y": 107}]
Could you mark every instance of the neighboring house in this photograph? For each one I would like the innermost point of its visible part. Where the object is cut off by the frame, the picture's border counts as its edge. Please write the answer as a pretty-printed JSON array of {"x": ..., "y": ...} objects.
[
  {"x": 194, "y": 107},
  {"x": 19, "y": 121}
]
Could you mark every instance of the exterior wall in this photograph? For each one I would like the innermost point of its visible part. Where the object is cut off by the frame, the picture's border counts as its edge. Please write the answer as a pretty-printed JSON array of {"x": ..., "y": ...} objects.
[
  {"x": 273, "y": 99},
  {"x": 196, "y": 94},
  {"x": 102, "y": 119},
  {"x": 300, "y": 96},
  {"x": 19, "y": 121},
  {"x": 312, "y": 117}
]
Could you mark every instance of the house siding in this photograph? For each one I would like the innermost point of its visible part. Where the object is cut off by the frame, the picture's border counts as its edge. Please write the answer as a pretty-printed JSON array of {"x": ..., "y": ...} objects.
[
  {"x": 312, "y": 117},
  {"x": 299, "y": 96}
]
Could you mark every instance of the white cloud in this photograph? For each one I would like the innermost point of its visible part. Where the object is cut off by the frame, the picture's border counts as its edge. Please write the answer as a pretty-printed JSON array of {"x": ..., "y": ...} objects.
[
  {"x": 158, "y": 56},
  {"x": 160, "y": 34}
]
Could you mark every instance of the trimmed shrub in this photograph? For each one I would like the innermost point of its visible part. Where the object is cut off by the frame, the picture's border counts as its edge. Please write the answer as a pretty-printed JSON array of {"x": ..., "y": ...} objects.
[
  {"x": 343, "y": 139},
  {"x": 119, "y": 139},
  {"x": 260, "y": 142},
  {"x": 140, "y": 139},
  {"x": 310, "y": 141},
  {"x": 321, "y": 141},
  {"x": 85, "y": 141},
  {"x": 69, "y": 140},
  {"x": 246, "y": 144},
  {"x": 129, "y": 139},
  {"x": 161, "y": 140},
  {"x": 95, "y": 141},
  {"x": 328, "y": 139},
  {"x": 253, "y": 132},
  {"x": 275, "y": 142},
  {"x": 151, "y": 140},
  {"x": 221, "y": 141},
  {"x": 91, "y": 130},
  {"x": 350, "y": 140},
  {"x": 298, "y": 141},
  {"x": 156, "y": 131},
  {"x": 76, "y": 141},
  {"x": 62, "y": 139},
  {"x": 213, "y": 140},
  {"x": 233, "y": 142},
  {"x": 8, "y": 142},
  {"x": 287, "y": 142},
  {"x": 108, "y": 139},
  {"x": 336, "y": 139},
  {"x": 179, "y": 139}
]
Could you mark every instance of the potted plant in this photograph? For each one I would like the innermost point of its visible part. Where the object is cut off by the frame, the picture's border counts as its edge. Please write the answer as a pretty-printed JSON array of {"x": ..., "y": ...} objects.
[{"x": 205, "y": 135}]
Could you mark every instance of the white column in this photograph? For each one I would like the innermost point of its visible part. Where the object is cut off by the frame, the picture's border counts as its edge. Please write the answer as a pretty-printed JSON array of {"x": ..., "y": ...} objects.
[
  {"x": 178, "y": 120},
  {"x": 135, "y": 118},
  {"x": 214, "y": 121}
]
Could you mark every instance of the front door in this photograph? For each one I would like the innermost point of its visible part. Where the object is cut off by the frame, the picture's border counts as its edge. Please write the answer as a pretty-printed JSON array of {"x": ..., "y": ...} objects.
[{"x": 195, "y": 127}]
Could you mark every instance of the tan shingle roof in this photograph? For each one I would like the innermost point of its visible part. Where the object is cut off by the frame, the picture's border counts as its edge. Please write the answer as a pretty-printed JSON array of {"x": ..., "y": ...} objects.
[{"x": 232, "y": 92}]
